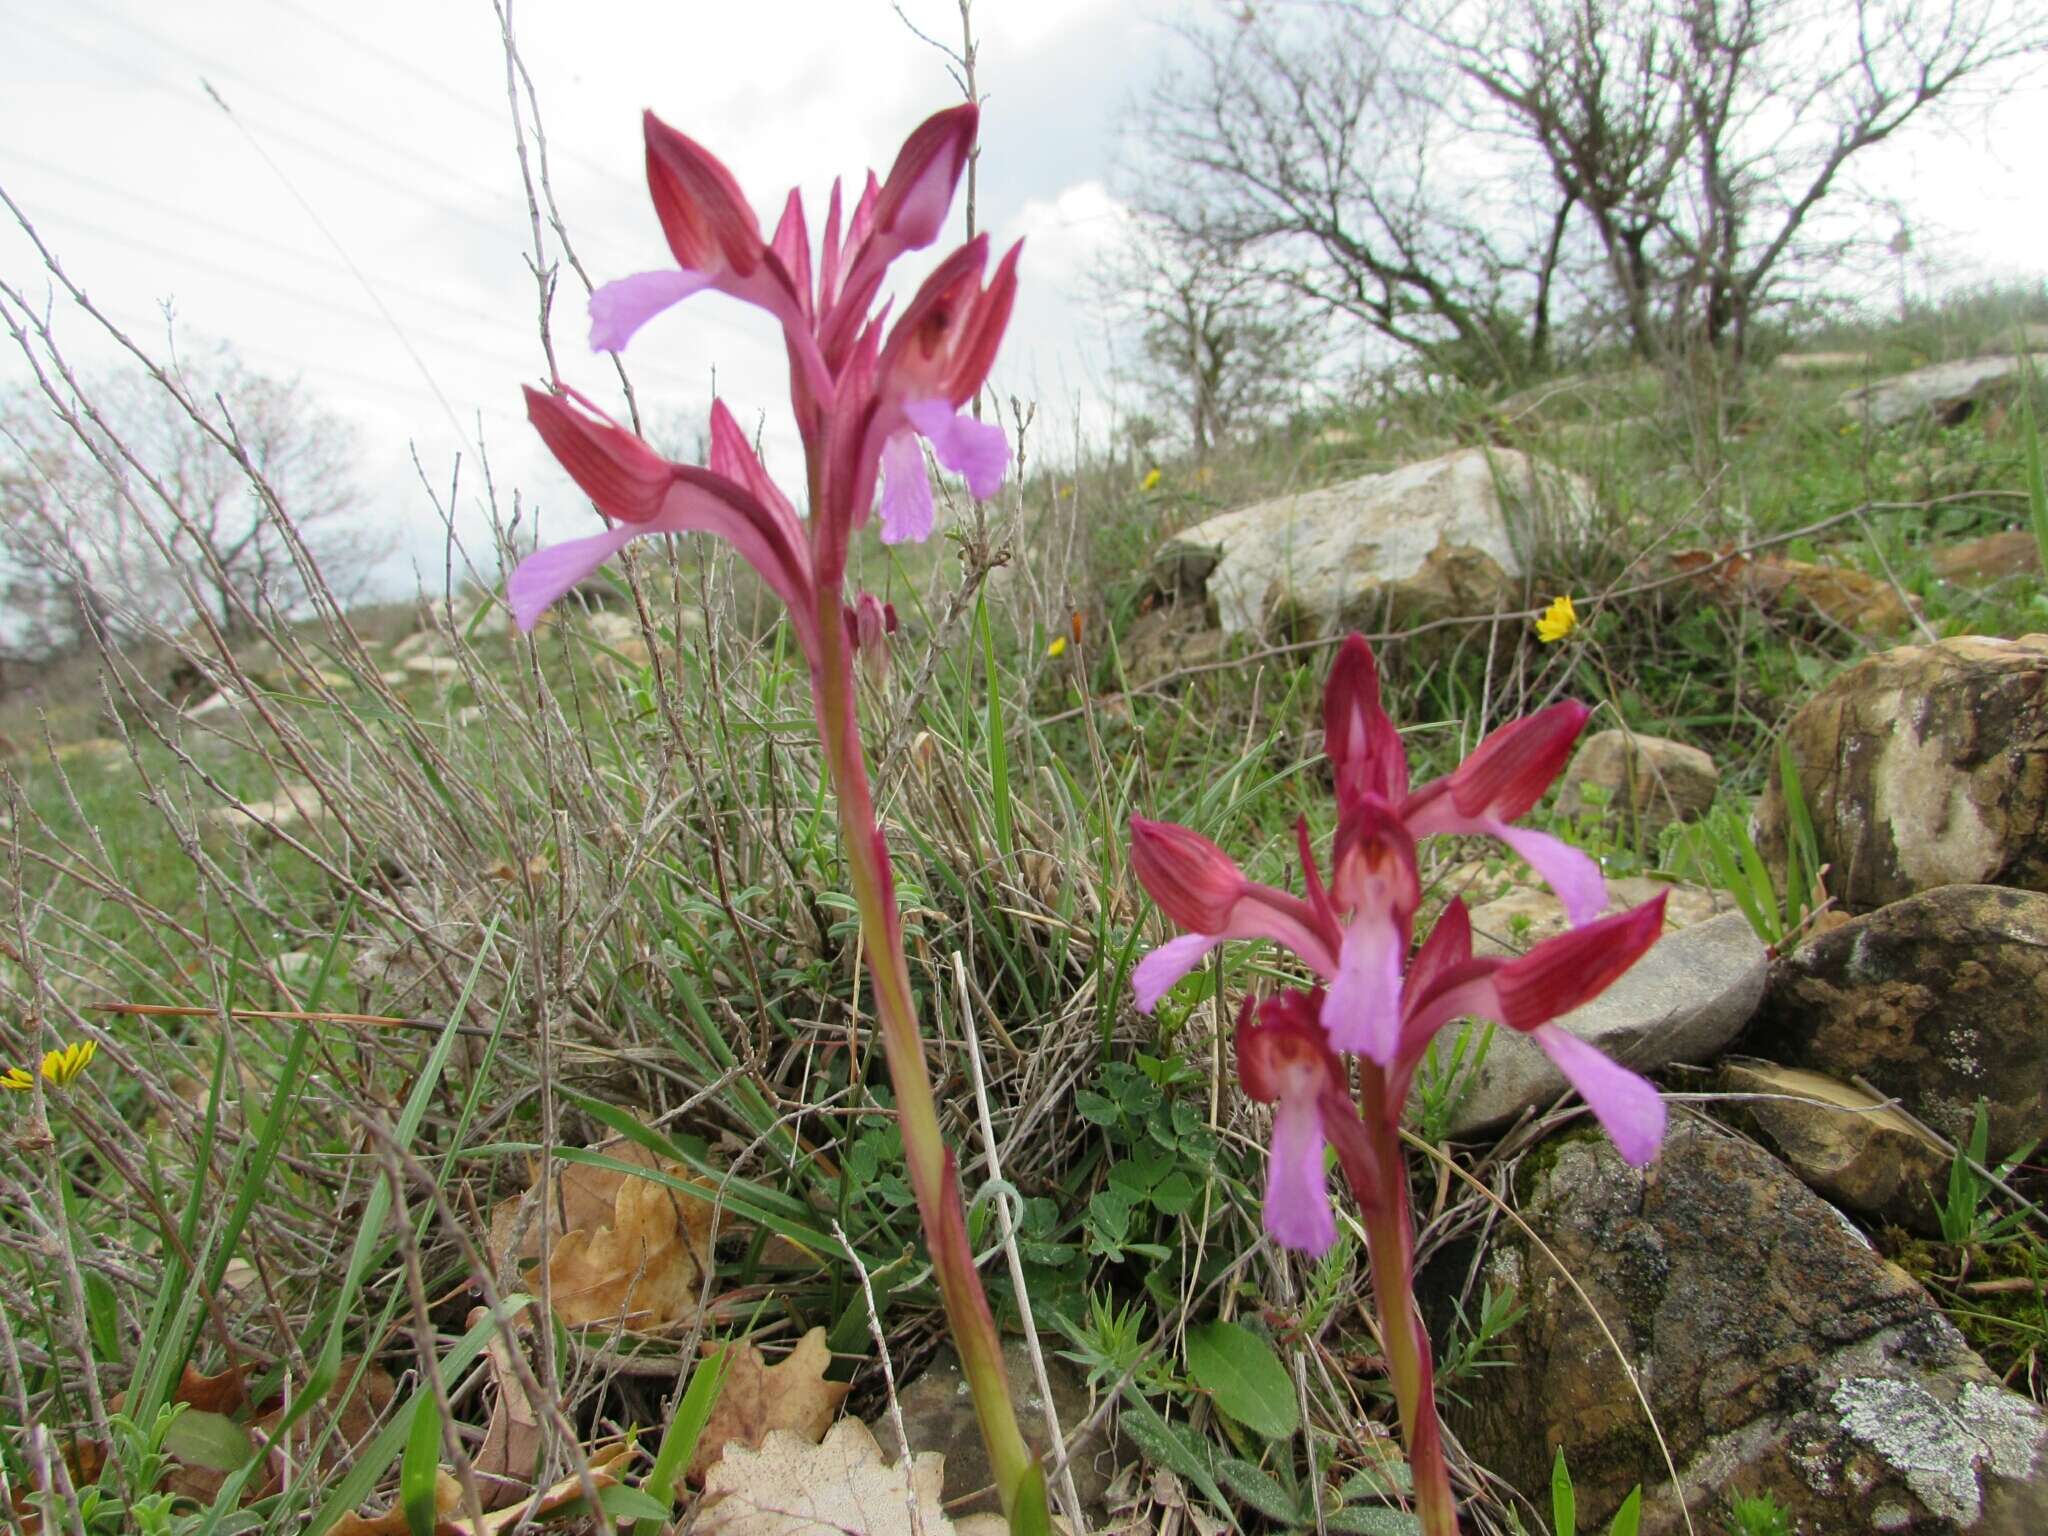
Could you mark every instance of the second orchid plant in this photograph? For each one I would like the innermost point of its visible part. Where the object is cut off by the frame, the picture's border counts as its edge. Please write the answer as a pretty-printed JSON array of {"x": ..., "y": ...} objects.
[
  {"x": 868, "y": 397},
  {"x": 1382, "y": 998},
  {"x": 865, "y": 394}
]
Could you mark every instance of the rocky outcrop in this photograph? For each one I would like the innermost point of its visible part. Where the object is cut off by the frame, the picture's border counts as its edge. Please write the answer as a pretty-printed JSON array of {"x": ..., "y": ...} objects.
[
  {"x": 1936, "y": 1001},
  {"x": 1640, "y": 783},
  {"x": 1942, "y": 392},
  {"x": 1924, "y": 766},
  {"x": 1683, "y": 1001},
  {"x": 1425, "y": 540},
  {"x": 1780, "y": 1354}
]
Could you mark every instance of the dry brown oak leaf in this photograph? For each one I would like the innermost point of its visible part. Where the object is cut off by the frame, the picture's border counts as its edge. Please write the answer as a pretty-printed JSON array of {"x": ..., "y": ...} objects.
[
  {"x": 839, "y": 1487},
  {"x": 624, "y": 1248},
  {"x": 756, "y": 1397}
]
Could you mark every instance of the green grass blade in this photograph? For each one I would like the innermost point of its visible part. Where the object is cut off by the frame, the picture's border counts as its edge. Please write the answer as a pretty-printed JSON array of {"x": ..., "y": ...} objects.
[{"x": 679, "y": 1440}]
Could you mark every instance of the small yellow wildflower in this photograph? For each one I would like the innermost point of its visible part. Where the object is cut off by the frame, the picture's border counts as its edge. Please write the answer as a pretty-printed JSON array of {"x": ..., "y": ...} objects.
[
  {"x": 60, "y": 1068},
  {"x": 1558, "y": 620},
  {"x": 1151, "y": 480},
  {"x": 1058, "y": 646}
]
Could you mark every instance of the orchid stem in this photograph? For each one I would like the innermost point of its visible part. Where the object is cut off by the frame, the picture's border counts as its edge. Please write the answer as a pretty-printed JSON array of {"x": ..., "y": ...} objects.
[
  {"x": 1390, "y": 1242},
  {"x": 934, "y": 1177}
]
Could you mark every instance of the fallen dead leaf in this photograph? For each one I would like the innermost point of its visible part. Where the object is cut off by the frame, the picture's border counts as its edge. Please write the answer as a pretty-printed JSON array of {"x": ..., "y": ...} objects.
[
  {"x": 447, "y": 1499},
  {"x": 1847, "y": 596},
  {"x": 604, "y": 1472},
  {"x": 790, "y": 1487},
  {"x": 756, "y": 1398},
  {"x": 625, "y": 1248},
  {"x": 504, "y": 1463}
]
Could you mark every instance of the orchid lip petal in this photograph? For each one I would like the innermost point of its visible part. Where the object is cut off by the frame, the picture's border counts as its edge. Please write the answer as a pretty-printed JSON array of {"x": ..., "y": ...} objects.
[
  {"x": 1627, "y": 1105},
  {"x": 1297, "y": 1209},
  {"x": 546, "y": 574},
  {"x": 1161, "y": 971},
  {"x": 975, "y": 450},
  {"x": 1362, "y": 1011},
  {"x": 907, "y": 513},
  {"x": 618, "y": 309}
]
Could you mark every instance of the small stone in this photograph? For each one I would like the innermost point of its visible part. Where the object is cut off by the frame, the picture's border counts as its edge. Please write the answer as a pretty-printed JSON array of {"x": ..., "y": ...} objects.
[
  {"x": 98, "y": 749},
  {"x": 1936, "y": 1001},
  {"x": 1170, "y": 637},
  {"x": 294, "y": 805},
  {"x": 1646, "y": 782},
  {"x": 938, "y": 1415},
  {"x": 423, "y": 642},
  {"x": 440, "y": 668},
  {"x": 1847, "y": 1145},
  {"x": 1682, "y": 1002},
  {"x": 1809, "y": 363}
]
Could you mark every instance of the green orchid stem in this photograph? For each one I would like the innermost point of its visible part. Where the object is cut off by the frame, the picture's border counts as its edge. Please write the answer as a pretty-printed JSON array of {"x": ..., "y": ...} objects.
[
  {"x": 934, "y": 1176},
  {"x": 1390, "y": 1241}
]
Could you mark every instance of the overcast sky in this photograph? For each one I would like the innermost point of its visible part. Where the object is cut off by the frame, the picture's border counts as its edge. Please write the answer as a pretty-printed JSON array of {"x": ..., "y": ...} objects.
[{"x": 373, "y": 138}]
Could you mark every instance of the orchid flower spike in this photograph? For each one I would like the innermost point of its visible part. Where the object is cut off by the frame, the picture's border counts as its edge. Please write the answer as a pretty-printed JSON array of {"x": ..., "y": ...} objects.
[
  {"x": 1354, "y": 931},
  {"x": 865, "y": 396}
]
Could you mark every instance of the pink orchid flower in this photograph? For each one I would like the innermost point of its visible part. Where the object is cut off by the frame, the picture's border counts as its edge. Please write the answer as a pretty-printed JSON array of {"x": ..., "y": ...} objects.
[
  {"x": 1355, "y": 931},
  {"x": 1287, "y": 1058},
  {"x": 865, "y": 393}
]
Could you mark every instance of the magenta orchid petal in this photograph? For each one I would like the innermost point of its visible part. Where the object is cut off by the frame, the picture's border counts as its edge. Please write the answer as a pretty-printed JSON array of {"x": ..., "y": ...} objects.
[
  {"x": 1573, "y": 874},
  {"x": 1160, "y": 972},
  {"x": 1365, "y": 751},
  {"x": 1627, "y": 1105},
  {"x": 618, "y": 309},
  {"x": 1362, "y": 1011},
  {"x": 543, "y": 576},
  {"x": 907, "y": 516},
  {"x": 1298, "y": 1213},
  {"x": 976, "y": 450}
]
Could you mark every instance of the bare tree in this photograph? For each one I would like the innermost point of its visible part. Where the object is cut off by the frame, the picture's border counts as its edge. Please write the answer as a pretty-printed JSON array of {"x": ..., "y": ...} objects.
[
  {"x": 1707, "y": 143},
  {"x": 86, "y": 551},
  {"x": 1220, "y": 347},
  {"x": 1315, "y": 143},
  {"x": 1451, "y": 173}
]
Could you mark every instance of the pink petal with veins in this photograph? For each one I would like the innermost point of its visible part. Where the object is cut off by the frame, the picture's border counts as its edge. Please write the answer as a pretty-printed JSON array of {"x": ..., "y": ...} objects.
[
  {"x": 1566, "y": 870},
  {"x": 1160, "y": 972},
  {"x": 906, "y": 492},
  {"x": 546, "y": 574},
  {"x": 976, "y": 450},
  {"x": 1298, "y": 1213},
  {"x": 1627, "y": 1105},
  {"x": 620, "y": 308}
]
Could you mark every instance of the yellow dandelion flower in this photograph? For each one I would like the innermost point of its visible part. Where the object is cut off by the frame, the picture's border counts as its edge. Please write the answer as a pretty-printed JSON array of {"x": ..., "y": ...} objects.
[
  {"x": 60, "y": 1069},
  {"x": 1151, "y": 480},
  {"x": 1558, "y": 620},
  {"x": 1058, "y": 646}
]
